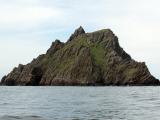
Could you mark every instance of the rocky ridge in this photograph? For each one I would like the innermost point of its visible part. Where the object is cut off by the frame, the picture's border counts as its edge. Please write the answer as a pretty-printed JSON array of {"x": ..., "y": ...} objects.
[{"x": 85, "y": 59}]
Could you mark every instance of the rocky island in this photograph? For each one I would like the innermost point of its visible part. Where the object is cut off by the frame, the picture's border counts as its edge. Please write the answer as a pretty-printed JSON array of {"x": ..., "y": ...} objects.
[{"x": 93, "y": 59}]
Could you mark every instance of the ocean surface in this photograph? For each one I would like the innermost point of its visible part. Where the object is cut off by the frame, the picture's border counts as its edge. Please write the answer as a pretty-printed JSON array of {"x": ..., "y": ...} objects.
[{"x": 79, "y": 103}]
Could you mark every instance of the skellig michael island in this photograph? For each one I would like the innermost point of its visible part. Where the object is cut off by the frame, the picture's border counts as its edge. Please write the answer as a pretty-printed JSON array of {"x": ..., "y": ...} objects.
[{"x": 87, "y": 59}]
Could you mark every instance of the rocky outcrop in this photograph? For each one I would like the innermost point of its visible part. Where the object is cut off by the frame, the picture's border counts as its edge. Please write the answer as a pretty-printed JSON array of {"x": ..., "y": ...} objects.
[
  {"x": 77, "y": 32},
  {"x": 85, "y": 59}
]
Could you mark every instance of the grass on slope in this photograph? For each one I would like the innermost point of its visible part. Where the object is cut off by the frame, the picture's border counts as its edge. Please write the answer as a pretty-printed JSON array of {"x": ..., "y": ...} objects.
[{"x": 98, "y": 53}]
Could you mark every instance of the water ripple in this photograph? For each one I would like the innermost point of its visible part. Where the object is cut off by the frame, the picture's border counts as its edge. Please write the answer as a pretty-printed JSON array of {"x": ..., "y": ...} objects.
[{"x": 79, "y": 103}]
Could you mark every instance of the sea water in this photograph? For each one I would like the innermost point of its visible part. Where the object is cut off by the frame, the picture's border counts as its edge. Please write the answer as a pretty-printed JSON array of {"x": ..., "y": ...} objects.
[{"x": 79, "y": 103}]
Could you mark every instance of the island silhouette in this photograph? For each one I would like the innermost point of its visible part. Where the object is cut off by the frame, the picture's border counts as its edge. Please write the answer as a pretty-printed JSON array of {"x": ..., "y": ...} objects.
[{"x": 86, "y": 59}]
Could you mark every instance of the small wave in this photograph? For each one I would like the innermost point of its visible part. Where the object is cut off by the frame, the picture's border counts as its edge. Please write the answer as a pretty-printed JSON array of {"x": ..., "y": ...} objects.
[
  {"x": 30, "y": 117},
  {"x": 5, "y": 103}
]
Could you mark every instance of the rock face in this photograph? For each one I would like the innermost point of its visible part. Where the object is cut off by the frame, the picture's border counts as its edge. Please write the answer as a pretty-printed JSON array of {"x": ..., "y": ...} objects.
[{"x": 85, "y": 59}]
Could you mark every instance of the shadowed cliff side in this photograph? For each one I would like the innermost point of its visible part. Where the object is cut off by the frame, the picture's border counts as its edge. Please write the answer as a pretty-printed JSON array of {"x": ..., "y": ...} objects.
[{"x": 85, "y": 59}]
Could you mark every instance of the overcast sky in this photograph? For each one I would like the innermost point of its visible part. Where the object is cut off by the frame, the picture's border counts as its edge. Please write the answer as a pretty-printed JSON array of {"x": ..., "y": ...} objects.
[{"x": 28, "y": 27}]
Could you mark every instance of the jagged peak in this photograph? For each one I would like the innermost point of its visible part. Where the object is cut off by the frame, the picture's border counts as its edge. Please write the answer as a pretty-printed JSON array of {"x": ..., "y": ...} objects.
[
  {"x": 56, "y": 45},
  {"x": 79, "y": 31},
  {"x": 76, "y": 33},
  {"x": 106, "y": 32},
  {"x": 56, "y": 41},
  {"x": 102, "y": 35}
]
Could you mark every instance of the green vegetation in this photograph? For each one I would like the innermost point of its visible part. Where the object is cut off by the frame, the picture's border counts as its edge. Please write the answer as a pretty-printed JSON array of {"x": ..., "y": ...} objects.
[
  {"x": 65, "y": 64},
  {"x": 130, "y": 72},
  {"x": 81, "y": 41},
  {"x": 121, "y": 67},
  {"x": 98, "y": 53}
]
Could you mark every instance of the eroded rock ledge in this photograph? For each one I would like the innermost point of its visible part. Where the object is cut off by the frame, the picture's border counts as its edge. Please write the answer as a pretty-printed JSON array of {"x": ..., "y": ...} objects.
[{"x": 85, "y": 59}]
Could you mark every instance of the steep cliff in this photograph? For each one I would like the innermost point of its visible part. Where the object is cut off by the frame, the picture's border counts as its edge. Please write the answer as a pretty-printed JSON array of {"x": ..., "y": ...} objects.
[{"x": 85, "y": 59}]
